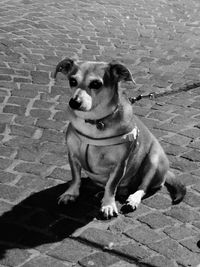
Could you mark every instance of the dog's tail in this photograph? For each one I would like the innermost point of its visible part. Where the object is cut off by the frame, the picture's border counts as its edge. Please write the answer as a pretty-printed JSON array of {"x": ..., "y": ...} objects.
[{"x": 175, "y": 187}]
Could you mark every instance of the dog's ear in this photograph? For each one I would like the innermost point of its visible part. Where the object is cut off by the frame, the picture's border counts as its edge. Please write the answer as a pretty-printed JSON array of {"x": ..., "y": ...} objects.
[
  {"x": 119, "y": 72},
  {"x": 65, "y": 66}
]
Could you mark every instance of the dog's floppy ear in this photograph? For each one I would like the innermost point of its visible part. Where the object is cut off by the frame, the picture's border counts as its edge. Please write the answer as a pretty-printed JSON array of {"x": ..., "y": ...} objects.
[
  {"x": 65, "y": 66},
  {"x": 120, "y": 73}
]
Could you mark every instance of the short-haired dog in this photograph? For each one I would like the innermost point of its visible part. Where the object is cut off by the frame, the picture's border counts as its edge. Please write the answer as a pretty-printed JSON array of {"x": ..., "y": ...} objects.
[{"x": 105, "y": 138}]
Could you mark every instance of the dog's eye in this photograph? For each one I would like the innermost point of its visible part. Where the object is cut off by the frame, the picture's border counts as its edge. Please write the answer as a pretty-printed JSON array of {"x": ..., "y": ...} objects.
[
  {"x": 96, "y": 84},
  {"x": 73, "y": 82}
]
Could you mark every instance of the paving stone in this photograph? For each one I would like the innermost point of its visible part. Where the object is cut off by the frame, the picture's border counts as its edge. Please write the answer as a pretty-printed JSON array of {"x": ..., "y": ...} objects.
[
  {"x": 50, "y": 124},
  {"x": 42, "y": 104},
  {"x": 193, "y": 133},
  {"x": 70, "y": 250},
  {"x": 100, "y": 259},
  {"x": 61, "y": 174},
  {"x": 26, "y": 131},
  {"x": 25, "y": 120},
  {"x": 40, "y": 77},
  {"x": 174, "y": 150},
  {"x": 161, "y": 116},
  {"x": 158, "y": 202},
  {"x": 192, "y": 199},
  {"x": 138, "y": 212},
  {"x": 33, "y": 168},
  {"x": 10, "y": 193},
  {"x": 32, "y": 183},
  {"x": 19, "y": 110},
  {"x": 180, "y": 232},
  {"x": 40, "y": 113},
  {"x": 173, "y": 250},
  {"x": 21, "y": 101},
  {"x": 160, "y": 261},
  {"x": 144, "y": 234},
  {"x": 45, "y": 261},
  {"x": 192, "y": 244},
  {"x": 52, "y": 147},
  {"x": 14, "y": 257},
  {"x": 53, "y": 159},
  {"x": 189, "y": 179},
  {"x": 6, "y": 177},
  {"x": 26, "y": 93},
  {"x": 53, "y": 136},
  {"x": 177, "y": 140},
  {"x": 156, "y": 220},
  {"x": 132, "y": 251},
  {"x": 183, "y": 165},
  {"x": 4, "y": 207},
  {"x": 124, "y": 264},
  {"x": 99, "y": 237},
  {"x": 2, "y": 127},
  {"x": 193, "y": 155},
  {"x": 183, "y": 214},
  {"x": 121, "y": 225},
  {"x": 27, "y": 154}
]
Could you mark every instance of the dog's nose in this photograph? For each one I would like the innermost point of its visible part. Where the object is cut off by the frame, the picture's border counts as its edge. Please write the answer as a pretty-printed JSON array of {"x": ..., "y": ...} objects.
[{"x": 74, "y": 104}]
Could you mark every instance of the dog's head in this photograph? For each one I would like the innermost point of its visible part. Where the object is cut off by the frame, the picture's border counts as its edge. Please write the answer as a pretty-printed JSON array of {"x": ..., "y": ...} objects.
[{"x": 92, "y": 83}]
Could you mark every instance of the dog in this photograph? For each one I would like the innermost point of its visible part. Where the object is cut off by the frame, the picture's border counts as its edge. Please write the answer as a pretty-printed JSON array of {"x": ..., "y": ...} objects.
[{"x": 104, "y": 137}]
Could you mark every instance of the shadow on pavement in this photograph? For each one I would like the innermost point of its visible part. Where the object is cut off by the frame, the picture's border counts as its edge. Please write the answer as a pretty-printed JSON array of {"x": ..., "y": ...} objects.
[{"x": 39, "y": 220}]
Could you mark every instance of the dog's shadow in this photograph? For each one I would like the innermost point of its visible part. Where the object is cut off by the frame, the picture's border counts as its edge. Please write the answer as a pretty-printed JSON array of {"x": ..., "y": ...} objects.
[{"x": 39, "y": 219}]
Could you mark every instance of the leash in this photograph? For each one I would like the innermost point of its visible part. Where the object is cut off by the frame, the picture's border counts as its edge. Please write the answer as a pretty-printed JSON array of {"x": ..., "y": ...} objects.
[
  {"x": 153, "y": 95},
  {"x": 150, "y": 96}
]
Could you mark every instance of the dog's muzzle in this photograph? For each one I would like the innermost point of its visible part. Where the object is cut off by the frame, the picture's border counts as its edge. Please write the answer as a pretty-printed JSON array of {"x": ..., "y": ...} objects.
[{"x": 81, "y": 100}]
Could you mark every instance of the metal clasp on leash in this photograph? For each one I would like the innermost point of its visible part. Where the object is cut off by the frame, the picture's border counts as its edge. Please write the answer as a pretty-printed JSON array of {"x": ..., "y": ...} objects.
[{"x": 150, "y": 96}]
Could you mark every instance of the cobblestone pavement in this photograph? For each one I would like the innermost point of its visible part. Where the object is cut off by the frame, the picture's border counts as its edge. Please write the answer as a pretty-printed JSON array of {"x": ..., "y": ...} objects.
[{"x": 159, "y": 41}]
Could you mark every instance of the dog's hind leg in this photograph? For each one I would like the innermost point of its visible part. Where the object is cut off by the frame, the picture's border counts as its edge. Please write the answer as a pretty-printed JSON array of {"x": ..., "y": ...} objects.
[
  {"x": 148, "y": 173},
  {"x": 175, "y": 187}
]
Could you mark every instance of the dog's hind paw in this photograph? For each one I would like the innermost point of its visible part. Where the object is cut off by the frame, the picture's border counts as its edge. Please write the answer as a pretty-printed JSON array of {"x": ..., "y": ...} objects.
[{"x": 135, "y": 199}]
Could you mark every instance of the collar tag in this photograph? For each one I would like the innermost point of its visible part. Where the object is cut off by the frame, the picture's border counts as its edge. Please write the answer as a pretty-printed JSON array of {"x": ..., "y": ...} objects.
[{"x": 100, "y": 125}]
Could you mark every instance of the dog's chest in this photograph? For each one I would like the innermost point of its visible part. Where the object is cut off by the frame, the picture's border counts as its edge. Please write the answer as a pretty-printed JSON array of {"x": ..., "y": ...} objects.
[{"x": 102, "y": 160}]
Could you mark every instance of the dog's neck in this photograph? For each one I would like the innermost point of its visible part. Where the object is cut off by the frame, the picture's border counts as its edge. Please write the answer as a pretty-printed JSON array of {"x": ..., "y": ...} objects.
[
  {"x": 101, "y": 123},
  {"x": 116, "y": 115}
]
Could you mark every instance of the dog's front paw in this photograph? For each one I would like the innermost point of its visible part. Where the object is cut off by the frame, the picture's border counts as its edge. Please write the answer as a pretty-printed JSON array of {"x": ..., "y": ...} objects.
[
  {"x": 69, "y": 195},
  {"x": 109, "y": 209},
  {"x": 135, "y": 199}
]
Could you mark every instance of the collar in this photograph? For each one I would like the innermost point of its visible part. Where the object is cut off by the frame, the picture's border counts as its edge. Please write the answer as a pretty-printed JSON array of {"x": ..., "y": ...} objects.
[
  {"x": 131, "y": 136},
  {"x": 100, "y": 124}
]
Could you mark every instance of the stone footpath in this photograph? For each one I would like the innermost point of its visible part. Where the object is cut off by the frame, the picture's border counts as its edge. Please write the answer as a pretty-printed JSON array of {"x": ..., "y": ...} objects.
[{"x": 159, "y": 42}]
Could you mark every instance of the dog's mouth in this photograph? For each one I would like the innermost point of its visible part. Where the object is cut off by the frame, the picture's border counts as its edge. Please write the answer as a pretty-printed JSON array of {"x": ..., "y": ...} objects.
[{"x": 81, "y": 101}]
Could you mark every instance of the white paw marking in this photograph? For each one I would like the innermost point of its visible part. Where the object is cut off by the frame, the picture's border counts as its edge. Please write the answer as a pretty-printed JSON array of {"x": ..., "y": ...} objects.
[
  {"x": 109, "y": 210},
  {"x": 135, "y": 199}
]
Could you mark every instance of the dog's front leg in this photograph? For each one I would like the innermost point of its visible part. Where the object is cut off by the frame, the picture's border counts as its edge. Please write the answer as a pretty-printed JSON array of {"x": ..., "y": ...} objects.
[
  {"x": 73, "y": 191},
  {"x": 109, "y": 207}
]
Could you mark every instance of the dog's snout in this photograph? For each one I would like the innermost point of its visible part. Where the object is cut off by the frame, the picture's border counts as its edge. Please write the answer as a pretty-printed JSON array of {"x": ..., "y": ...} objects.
[{"x": 74, "y": 104}]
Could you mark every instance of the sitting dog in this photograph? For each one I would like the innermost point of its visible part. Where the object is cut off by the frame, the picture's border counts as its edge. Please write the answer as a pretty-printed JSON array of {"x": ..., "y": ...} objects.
[{"x": 105, "y": 138}]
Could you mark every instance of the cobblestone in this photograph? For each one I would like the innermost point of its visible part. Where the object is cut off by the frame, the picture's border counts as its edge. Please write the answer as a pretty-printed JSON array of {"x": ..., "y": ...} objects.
[{"x": 159, "y": 42}]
